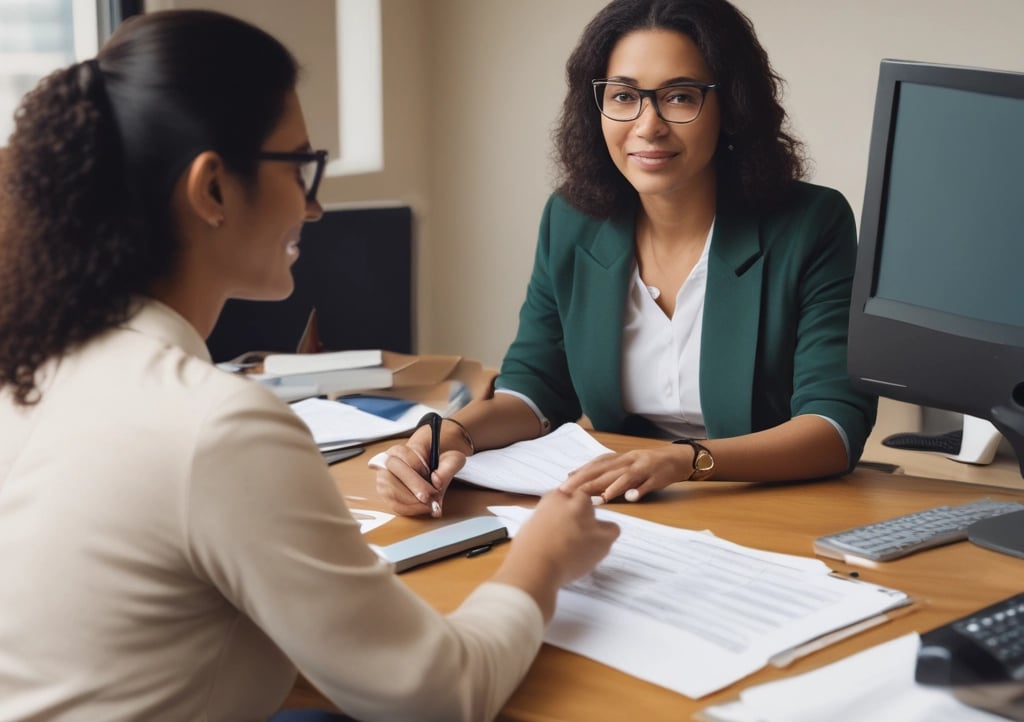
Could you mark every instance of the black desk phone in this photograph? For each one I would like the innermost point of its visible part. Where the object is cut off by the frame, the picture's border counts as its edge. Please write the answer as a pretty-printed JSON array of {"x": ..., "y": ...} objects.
[{"x": 981, "y": 657}]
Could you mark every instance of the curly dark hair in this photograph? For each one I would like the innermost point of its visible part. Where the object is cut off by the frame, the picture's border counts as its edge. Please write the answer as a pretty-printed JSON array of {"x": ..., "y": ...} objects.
[
  {"x": 765, "y": 159},
  {"x": 93, "y": 160}
]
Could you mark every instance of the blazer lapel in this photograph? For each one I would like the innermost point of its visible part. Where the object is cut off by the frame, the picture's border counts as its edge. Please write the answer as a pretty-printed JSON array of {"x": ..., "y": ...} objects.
[
  {"x": 593, "y": 328},
  {"x": 732, "y": 317}
]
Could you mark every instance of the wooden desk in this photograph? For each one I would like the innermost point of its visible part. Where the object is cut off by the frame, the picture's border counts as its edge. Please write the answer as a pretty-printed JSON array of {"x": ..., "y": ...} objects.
[{"x": 947, "y": 582}]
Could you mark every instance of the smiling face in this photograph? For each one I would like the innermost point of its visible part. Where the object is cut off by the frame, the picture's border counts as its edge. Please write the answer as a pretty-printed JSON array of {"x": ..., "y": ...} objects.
[
  {"x": 659, "y": 158},
  {"x": 257, "y": 256}
]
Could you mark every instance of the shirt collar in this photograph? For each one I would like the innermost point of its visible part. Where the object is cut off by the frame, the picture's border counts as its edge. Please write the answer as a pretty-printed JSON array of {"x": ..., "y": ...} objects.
[{"x": 158, "y": 320}]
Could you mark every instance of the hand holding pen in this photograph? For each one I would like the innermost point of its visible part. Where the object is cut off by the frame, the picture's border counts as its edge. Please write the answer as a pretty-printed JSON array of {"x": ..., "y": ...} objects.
[{"x": 414, "y": 476}]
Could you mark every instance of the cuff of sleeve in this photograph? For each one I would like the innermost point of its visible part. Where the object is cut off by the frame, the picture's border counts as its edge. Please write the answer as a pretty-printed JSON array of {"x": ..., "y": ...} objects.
[
  {"x": 842, "y": 435},
  {"x": 545, "y": 424}
]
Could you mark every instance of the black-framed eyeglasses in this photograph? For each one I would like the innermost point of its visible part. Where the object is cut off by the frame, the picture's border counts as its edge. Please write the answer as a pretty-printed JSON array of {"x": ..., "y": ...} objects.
[
  {"x": 675, "y": 103},
  {"x": 310, "y": 164}
]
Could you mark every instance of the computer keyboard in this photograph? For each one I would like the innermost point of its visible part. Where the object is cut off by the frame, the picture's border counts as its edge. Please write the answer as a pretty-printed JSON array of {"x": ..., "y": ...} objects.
[
  {"x": 903, "y": 535},
  {"x": 984, "y": 646}
]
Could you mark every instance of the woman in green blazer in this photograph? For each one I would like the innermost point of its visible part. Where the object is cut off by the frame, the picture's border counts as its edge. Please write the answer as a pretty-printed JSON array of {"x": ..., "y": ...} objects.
[{"x": 686, "y": 282}]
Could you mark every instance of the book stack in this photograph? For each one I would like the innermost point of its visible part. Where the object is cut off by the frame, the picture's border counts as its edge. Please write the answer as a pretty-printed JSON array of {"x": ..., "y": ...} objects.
[{"x": 301, "y": 375}]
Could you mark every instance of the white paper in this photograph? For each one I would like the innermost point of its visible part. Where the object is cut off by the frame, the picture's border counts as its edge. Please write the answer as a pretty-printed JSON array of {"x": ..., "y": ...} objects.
[
  {"x": 695, "y": 613},
  {"x": 332, "y": 421},
  {"x": 369, "y": 519},
  {"x": 535, "y": 466},
  {"x": 876, "y": 684}
]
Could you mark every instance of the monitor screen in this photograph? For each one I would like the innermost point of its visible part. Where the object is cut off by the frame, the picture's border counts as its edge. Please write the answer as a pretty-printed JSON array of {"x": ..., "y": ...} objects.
[{"x": 937, "y": 316}]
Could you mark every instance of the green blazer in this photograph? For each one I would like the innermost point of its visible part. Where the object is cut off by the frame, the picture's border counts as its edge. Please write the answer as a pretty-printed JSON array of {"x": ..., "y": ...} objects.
[{"x": 775, "y": 320}]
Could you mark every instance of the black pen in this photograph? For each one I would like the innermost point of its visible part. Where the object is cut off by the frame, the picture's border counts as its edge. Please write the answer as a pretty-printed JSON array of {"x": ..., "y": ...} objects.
[
  {"x": 435, "y": 444},
  {"x": 434, "y": 420}
]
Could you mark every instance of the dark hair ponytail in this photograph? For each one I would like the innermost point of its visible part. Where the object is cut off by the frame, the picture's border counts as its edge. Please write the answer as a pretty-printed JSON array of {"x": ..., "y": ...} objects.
[
  {"x": 93, "y": 160},
  {"x": 62, "y": 183}
]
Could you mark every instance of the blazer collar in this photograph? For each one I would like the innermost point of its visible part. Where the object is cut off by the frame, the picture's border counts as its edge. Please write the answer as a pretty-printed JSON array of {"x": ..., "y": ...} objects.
[
  {"x": 612, "y": 245},
  {"x": 737, "y": 233},
  {"x": 738, "y": 239}
]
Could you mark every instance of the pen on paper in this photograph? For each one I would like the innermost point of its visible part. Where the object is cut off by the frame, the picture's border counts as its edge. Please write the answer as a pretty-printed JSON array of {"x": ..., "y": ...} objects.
[
  {"x": 435, "y": 455},
  {"x": 435, "y": 442}
]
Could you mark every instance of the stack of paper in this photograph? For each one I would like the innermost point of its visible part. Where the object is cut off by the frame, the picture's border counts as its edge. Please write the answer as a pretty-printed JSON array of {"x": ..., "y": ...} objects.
[{"x": 694, "y": 613}]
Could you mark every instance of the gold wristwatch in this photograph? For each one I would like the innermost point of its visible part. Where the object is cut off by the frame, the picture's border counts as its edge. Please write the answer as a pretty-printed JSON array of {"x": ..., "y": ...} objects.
[{"x": 703, "y": 461}]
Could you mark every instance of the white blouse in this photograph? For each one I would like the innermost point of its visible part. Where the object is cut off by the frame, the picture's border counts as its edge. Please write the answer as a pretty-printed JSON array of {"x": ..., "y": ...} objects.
[{"x": 661, "y": 355}]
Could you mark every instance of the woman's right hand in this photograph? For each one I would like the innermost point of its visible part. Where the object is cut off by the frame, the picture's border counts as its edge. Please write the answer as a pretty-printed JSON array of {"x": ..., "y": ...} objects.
[
  {"x": 560, "y": 542},
  {"x": 403, "y": 482}
]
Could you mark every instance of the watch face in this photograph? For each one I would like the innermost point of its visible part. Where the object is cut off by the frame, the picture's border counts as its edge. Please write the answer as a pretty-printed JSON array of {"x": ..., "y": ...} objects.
[{"x": 703, "y": 461}]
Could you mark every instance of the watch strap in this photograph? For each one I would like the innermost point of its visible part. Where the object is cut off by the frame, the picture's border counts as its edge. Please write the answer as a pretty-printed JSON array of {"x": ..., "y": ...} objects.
[{"x": 703, "y": 461}]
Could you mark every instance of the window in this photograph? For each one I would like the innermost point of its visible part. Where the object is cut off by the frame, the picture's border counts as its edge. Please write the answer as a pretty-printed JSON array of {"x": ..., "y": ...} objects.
[
  {"x": 36, "y": 38},
  {"x": 360, "y": 101}
]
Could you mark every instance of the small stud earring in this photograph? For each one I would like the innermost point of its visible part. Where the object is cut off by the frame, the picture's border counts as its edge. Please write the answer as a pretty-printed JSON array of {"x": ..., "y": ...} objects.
[{"x": 216, "y": 222}]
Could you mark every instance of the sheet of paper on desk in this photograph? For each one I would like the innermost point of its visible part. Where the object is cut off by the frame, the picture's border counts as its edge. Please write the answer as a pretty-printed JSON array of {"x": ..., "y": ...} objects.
[
  {"x": 334, "y": 422},
  {"x": 369, "y": 519},
  {"x": 535, "y": 466},
  {"x": 876, "y": 684},
  {"x": 694, "y": 613}
]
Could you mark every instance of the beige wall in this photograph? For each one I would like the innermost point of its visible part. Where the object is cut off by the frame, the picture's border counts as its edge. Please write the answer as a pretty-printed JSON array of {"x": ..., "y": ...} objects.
[
  {"x": 490, "y": 171},
  {"x": 472, "y": 88},
  {"x": 828, "y": 52},
  {"x": 502, "y": 69}
]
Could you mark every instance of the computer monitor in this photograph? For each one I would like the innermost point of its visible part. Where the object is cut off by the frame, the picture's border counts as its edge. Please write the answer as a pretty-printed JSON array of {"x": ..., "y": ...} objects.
[{"x": 937, "y": 314}]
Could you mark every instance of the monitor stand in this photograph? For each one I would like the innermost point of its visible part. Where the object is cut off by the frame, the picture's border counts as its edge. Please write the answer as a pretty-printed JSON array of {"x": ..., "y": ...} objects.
[{"x": 979, "y": 443}]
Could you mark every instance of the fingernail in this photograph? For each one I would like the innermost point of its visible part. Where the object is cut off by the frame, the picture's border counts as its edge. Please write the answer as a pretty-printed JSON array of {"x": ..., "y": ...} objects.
[
  {"x": 632, "y": 495},
  {"x": 597, "y": 500},
  {"x": 422, "y": 496},
  {"x": 435, "y": 508}
]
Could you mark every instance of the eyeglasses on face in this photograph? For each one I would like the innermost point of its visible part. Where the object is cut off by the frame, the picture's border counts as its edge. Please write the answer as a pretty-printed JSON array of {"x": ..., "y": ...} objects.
[
  {"x": 675, "y": 103},
  {"x": 310, "y": 165}
]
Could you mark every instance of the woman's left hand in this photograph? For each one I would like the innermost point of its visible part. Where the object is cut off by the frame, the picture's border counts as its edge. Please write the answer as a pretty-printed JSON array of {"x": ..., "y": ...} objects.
[{"x": 633, "y": 474}]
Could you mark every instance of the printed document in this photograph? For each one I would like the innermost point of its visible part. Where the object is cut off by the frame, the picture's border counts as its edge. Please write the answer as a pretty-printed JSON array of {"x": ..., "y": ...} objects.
[
  {"x": 694, "y": 613},
  {"x": 527, "y": 467},
  {"x": 535, "y": 466}
]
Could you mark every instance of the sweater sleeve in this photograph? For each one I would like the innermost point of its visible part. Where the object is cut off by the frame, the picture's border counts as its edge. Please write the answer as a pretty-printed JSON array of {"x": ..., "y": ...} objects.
[{"x": 267, "y": 526}]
